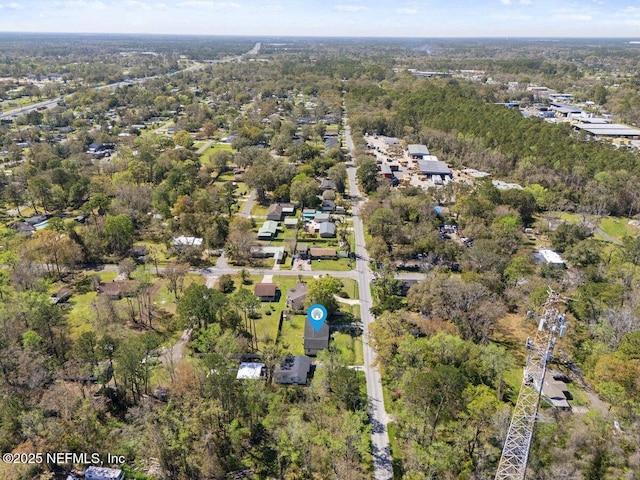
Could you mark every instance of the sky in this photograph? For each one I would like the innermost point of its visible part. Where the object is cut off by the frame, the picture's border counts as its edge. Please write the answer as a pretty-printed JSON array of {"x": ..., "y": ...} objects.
[{"x": 360, "y": 18}]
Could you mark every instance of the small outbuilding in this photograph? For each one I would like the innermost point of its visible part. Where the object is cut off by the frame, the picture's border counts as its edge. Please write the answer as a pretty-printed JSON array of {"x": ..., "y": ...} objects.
[{"x": 250, "y": 371}]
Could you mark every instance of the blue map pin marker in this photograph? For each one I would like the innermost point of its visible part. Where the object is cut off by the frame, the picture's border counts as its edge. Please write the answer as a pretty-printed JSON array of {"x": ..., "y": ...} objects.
[{"x": 317, "y": 315}]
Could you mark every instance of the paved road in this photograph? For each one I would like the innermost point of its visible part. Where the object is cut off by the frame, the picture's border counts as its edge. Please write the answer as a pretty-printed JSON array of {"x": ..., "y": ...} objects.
[
  {"x": 383, "y": 465},
  {"x": 24, "y": 110},
  {"x": 248, "y": 205}
]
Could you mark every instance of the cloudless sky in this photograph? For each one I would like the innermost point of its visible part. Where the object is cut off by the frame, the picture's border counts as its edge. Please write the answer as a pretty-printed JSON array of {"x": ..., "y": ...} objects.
[{"x": 397, "y": 18}]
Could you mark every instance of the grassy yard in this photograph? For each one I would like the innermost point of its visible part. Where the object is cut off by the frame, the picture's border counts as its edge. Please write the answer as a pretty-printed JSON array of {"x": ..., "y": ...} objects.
[
  {"x": 82, "y": 316},
  {"x": 292, "y": 334},
  {"x": 215, "y": 146},
  {"x": 350, "y": 347},
  {"x": 259, "y": 210},
  {"x": 339, "y": 265},
  {"x": 617, "y": 227}
]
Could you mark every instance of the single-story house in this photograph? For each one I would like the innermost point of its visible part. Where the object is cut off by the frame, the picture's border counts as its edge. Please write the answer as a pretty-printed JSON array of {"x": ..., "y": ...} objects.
[
  {"x": 321, "y": 217},
  {"x": 549, "y": 257},
  {"x": 274, "y": 212},
  {"x": 266, "y": 292},
  {"x": 327, "y": 184},
  {"x": 327, "y": 230},
  {"x": 118, "y": 289},
  {"x": 433, "y": 167},
  {"x": 250, "y": 371},
  {"x": 290, "y": 222},
  {"x": 139, "y": 251},
  {"x": 328, "y": 205},
  {"x": 406, "y": 286},
  {"x": 24, "y": 228},
  {"x": 315, "y": 341},
  {"x": 417, "y": 151},
  {"x": 296, "y": 297},
  {"x": 308, "y": 213},
  {"x": 293, "y": 371},
  {"x": 302, "y": 250},
  {"x": 321, "y": 252},
  {"x": 182, "y": 241},
  {"x": 269, "y": 251},
  {"x": 36, "y": 219},
  {"x": 288, "y": 208},
  {"x": 268, "y": 230},
  {"x": 61, "y": 296},
  {"x": 330, "y": 142}
]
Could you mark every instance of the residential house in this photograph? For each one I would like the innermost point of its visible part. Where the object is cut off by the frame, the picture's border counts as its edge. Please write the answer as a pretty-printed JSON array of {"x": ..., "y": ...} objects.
[
  {"x": 322, "y": 253},
  {"x": 406, "y": 286},
  {"x": 315, "y": 341},
  {"x": 23, "y": 228},
  {"x": 290, "y": 222},
  {"x": 183, "y": 242},
  {"x": 296, "y": 296},
  {"x": 61, "y": 296},
  {"x": 118, "y": 289},
  {"x": 266, "y": 292},
  {"x": 288, "y": 209},
  {"x": 302, "y": 250},
  {"x": 308, "y": 213},
  {"x": 321, "y": 217},
  {"x": 328, "y": 206},
  {"x": 274, "y": 212},
  {"x": 327, "y": 184},
  {"x": 327, "y": 230},
  {"x": 269, "y": 251},
  {"x": 293, "y": 371},
  {"x": 268, "y": 230},
  {"x": 549, "y": 257}
]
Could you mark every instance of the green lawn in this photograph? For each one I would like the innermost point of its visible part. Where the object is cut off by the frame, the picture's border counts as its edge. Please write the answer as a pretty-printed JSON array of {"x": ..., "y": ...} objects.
[
  {"x": 339, "y": 265},
  {"x": 259, "y": 210},
  {"x": 82, "y": 315},
  {"x": 350, "y": 347},
  {"x": 215, "y": 146},
  {"x": 292, "y": 334},
  {"x": 617, "y": 227}
]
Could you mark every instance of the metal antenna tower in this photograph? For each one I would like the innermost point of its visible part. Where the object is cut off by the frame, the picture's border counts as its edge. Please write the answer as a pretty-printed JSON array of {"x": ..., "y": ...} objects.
[{"x": 515, "y": 453}]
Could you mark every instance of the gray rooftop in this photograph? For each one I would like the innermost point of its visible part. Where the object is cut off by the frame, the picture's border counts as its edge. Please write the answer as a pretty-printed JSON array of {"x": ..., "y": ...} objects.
[
  {"x": 417, "y": 149},
  {"x": 433, "y": 167}
]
